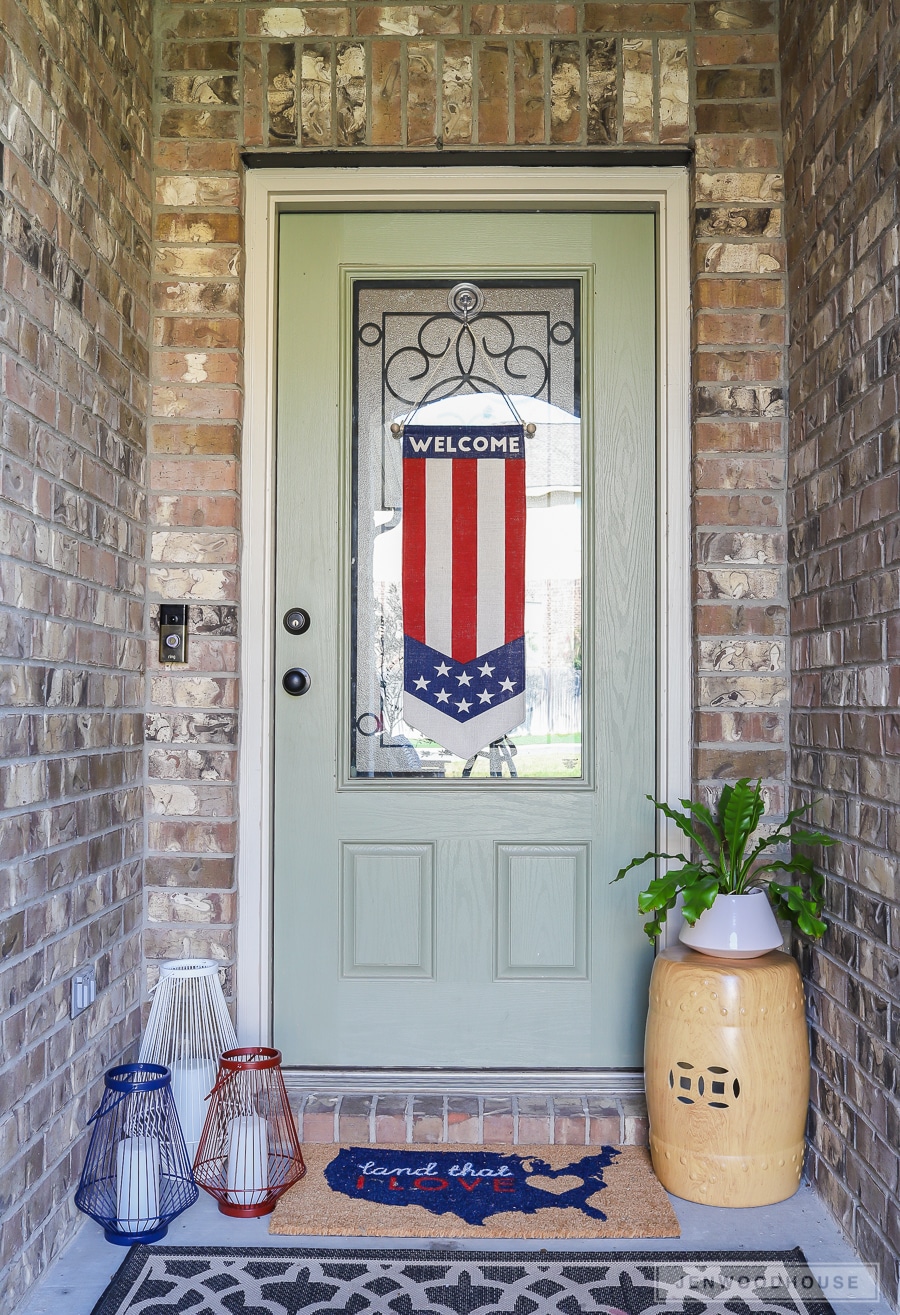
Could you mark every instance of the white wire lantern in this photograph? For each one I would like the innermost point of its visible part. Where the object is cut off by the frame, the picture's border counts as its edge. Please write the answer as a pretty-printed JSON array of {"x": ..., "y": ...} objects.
[{"x": 188, "y": 1029}]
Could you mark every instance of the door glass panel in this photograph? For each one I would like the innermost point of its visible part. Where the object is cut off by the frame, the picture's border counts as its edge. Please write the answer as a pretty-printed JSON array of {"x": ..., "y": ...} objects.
[{"x": 520, "y": 363}]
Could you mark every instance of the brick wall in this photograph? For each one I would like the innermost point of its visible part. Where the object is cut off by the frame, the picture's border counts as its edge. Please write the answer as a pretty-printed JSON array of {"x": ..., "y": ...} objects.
[
  {"x": 842, "y": 125},
  {"x": 75, "y": 124},
  {"x": 312, "y": 76}
]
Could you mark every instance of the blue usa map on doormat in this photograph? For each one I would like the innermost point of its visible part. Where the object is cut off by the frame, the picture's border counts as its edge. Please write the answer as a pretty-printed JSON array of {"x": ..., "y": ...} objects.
[{"x": 473, "y": 1185}]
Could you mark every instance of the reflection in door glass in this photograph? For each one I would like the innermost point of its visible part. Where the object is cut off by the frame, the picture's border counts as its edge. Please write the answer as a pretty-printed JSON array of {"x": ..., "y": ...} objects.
[{"x": 520, "y": 362}]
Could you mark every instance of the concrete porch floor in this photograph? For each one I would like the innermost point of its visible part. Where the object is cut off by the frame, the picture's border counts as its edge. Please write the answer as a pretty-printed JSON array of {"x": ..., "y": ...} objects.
[{"x": 78, "y": 1276}]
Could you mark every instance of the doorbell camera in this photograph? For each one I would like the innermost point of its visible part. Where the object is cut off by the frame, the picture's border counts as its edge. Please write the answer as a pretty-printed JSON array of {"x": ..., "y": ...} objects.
[{"x": 173, "y": 632}]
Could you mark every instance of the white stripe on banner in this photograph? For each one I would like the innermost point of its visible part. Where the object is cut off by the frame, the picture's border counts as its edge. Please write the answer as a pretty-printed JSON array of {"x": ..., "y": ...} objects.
[
  {"x": 491, "y": 555},
  {"x": 438, "y": 549}
]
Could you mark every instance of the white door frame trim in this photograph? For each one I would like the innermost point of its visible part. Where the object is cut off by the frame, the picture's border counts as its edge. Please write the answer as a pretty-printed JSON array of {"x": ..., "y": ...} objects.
[{"x": 272, "y": 191}]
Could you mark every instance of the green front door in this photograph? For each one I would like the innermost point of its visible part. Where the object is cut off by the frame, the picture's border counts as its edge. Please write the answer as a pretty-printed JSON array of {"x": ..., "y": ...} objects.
[{"x": 439, "y": 906}]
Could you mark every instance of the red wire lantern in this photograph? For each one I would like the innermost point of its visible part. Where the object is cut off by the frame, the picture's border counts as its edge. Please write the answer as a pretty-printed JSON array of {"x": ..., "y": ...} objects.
[{"x": 249, "y": 1152}]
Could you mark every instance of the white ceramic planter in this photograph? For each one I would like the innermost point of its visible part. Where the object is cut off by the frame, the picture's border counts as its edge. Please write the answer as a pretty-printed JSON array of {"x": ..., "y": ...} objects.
[{"x": 735, "y": 927}]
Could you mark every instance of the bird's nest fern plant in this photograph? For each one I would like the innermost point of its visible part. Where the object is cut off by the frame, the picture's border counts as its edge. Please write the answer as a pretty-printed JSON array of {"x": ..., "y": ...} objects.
[{"x": 724, "y": 867}]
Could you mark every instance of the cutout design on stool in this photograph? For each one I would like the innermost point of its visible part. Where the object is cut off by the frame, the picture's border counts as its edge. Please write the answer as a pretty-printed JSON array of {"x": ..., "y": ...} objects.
[{"x": 706, "y": 1087}]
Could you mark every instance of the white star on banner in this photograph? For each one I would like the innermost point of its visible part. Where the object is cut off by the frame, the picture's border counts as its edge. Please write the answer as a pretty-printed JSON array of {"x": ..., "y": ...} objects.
[
  {"x": 486, "y": 670},
  {"x": 484, "y": 697},
  {"x": 464, "y": 679},
  {"x": 442, "y": 696},
  {"x": 507, "y": 685},
  {"x": 443, "y": 669},
  {"x": 464, "y": 705},
  {"x": 422, "y": 683}
]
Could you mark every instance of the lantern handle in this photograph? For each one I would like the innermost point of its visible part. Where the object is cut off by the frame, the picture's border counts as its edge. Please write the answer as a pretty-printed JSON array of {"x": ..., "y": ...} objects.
[
  {"x": 222, "y": 1077},
  {"x": 104, "y": 1110}
]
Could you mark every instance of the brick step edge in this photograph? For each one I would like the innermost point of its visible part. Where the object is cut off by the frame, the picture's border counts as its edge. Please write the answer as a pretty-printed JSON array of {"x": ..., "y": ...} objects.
[{"x": 533, "y": 1120}]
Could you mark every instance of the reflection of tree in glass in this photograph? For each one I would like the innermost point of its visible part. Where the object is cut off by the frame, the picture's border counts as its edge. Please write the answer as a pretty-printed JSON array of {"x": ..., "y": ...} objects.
[{"x": 389, "y": 656}]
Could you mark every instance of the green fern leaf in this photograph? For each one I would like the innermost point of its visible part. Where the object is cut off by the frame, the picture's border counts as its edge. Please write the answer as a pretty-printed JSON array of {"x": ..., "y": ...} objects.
[
  {"x": 636, "y": 862},
  {"x": 699, "y": 896},
  {"x": 740, "y": 813}
]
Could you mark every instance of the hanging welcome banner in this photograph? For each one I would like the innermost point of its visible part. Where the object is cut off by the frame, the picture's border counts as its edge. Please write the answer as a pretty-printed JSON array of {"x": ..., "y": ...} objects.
[{"x": 464, "y": 583}]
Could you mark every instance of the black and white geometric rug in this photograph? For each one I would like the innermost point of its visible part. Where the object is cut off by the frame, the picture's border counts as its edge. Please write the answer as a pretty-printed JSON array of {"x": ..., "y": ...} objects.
[{"x": 168, "y": 1280}]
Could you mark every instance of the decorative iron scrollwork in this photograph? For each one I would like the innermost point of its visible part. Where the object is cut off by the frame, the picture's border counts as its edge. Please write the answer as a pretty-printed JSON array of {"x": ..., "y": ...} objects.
[
  {"x": 456, "y": 353},
  {"x": 522, "y": 368}
]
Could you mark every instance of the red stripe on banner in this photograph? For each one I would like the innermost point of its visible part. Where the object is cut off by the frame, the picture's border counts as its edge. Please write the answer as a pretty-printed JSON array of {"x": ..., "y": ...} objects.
[
  {"x": 515, "y": 549},
  {"x": 414, "y": 549},
  {"x": 465, "y": 560}
]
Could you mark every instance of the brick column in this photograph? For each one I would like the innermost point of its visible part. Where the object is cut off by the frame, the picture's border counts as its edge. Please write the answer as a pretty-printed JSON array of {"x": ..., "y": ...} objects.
[
  {"x": 842, "y": 140},
  {"x": 75, "y": 141}
]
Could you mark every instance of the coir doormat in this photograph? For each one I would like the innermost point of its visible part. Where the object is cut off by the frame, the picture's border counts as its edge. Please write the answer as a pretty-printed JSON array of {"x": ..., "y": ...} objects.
[
  {"x": 167, "y": 1280},
  {"x": 476, "y": 1191}
]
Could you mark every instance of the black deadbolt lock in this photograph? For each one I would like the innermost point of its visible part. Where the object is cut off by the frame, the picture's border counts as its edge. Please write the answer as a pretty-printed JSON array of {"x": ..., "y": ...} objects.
[
  {"x": 296, "y": 621},
  {"x": 296, "y": 681}
]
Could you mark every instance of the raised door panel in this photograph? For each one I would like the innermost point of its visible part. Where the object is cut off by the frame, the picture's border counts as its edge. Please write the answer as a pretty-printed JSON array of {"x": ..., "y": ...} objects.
[
  {"x": 542, "y": 916},
  {"x": 387, "y": 910}
]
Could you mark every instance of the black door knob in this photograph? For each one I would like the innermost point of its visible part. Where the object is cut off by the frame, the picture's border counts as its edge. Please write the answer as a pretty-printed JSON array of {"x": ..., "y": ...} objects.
[
  {"x": 296, "y": 621},
  {"x": 296, "y": 681}
]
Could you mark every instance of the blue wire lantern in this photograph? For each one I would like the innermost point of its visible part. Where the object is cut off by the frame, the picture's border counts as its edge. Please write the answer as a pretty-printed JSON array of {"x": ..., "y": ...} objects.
[{"x": 137, "y": 1176}]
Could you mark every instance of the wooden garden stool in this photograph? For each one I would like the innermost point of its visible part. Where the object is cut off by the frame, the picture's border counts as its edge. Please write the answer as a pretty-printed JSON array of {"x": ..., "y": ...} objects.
[{"x": 727, "y": 1075}]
